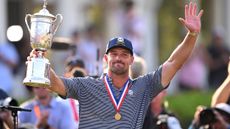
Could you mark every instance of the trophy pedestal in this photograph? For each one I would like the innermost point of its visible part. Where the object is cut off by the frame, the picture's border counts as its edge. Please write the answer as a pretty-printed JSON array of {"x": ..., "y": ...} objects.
[
  {"x": 37, "y": 74},
  {"x": 36, "y": 82}
]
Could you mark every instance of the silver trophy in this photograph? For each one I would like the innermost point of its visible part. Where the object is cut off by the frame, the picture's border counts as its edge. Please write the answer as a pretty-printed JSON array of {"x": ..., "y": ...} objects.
[{"x": 43, "y": 27}]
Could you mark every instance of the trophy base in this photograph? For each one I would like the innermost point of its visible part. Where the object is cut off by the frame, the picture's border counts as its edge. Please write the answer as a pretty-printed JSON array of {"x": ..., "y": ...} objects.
[
  {"x": 36, "y": 82},
  {"x": 37, "y": 74}
]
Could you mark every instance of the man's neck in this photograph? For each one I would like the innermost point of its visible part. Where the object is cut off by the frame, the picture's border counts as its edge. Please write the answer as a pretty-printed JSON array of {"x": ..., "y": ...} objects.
[{"x": 118, "y": 80}]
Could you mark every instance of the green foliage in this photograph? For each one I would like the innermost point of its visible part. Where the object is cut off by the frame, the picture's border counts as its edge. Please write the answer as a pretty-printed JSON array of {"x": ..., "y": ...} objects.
[
  {"x": 171, "y": 31},
  {"x": 169, "y": 27}
]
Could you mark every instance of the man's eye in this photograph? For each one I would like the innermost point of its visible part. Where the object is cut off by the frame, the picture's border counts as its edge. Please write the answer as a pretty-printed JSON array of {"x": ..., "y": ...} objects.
[
  {"x": 125, "y": 54},
  {"x": 113, "y": 54}
]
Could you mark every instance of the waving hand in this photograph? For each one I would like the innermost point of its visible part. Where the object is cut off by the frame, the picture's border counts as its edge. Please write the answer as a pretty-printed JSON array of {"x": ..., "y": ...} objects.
[{"x": 192, "y": 20}]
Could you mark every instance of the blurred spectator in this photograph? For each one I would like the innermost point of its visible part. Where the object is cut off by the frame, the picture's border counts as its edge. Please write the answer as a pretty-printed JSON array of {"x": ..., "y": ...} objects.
[
  {"x": 88, "y": 50},
  {"x": 26, "y": 126},
  {"x": 218, "y": 59},
  {"x": 222, "y": 94},
  {"x": 72, "y": 64},
  {"x": 6, "y": 120},
  {"x": 138, "y": 67},
  {"x": 193, "y": 74},
  {"x": 3, "y": 94},
  {"x": 158, "y": 117},
  {"x": 217, "y": 117},
  {"x": 133, "y": 26},
  {"x": 8, "y": 61},
  {"x": 78, "y": 72},
  {"x": 74, "y": 68},
  {"x": 76, "y": 39},
  {"x": 47, "y": 111}
]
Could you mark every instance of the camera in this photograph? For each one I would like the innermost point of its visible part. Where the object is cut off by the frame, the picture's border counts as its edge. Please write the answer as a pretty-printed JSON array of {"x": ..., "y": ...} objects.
[
  {"x": 8, "y": 102},
  {"x": 162, "y": 121},
  {"x": 207, "y": 116}
]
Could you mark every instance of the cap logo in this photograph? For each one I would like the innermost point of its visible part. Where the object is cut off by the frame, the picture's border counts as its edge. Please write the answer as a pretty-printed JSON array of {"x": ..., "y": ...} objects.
[{"x": 120, "y": 41}]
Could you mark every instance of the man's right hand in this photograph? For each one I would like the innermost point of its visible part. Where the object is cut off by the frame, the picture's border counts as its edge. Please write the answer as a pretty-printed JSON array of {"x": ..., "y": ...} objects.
[
  {"x": 56, "y": 83},
  {"x": 6, "y": 117},
  {"x": 43, "y": 119},
  {"x": 35, "y": 53}
]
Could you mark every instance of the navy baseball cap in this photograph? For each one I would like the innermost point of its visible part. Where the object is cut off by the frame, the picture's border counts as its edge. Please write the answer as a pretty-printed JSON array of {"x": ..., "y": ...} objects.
[{"x": 120, "y": 42}]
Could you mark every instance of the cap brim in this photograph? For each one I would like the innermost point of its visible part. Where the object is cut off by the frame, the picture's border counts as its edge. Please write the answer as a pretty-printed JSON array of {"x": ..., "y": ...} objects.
[{"x": 131, "y": 52}]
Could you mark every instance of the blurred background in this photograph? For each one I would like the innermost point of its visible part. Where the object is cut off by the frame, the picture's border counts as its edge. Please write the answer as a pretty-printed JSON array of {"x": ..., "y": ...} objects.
[{"x": 151, "y": 25}]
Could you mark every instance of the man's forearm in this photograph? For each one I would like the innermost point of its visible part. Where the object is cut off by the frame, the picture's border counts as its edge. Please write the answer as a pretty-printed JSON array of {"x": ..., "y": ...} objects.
[
  {"x": 183, "y": 51},
  {"x": 56, "y": 84},
  {"x": 221, "y": 95},
  {"x": 177, "y": 58},
  {"x": 9, "y": 123}
]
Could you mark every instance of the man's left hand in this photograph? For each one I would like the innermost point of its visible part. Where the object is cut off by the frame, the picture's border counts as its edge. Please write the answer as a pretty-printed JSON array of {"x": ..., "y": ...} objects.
[{"x": 192, "y": 21}]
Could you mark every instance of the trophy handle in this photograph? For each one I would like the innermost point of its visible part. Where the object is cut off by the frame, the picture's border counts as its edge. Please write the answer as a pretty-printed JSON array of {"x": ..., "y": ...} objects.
[
  {"x": 26, "y": 21},
  {"x": 58, "y": 20}
]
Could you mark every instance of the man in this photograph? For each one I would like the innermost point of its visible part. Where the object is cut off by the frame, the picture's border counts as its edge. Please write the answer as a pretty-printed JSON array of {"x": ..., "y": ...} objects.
[
  {"x": 158, "y": 116},
  {"x": 75, "y": 67},
  {"x": 219, "y": 102},
  {"x": 114, "y": 100},
  {"x": 222, "y": 94},
  {"x": 9, "y": 60},
  {"x": 218, "y": 57},
  {"x": 6, "y": 121},
  {"x": 138, "y": 67},
  {"x": 47, "y": 112},
  {"x": 216, "y": 117}
]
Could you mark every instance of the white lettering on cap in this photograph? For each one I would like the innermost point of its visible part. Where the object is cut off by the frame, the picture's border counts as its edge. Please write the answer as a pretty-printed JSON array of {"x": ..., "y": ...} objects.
[{"x": 120, "y": 41}]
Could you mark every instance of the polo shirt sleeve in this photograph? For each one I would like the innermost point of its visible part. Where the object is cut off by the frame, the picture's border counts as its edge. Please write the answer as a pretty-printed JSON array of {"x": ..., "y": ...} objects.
[
  {"x": 152, "y": 82},
  {"x": 72, "y": 86}
]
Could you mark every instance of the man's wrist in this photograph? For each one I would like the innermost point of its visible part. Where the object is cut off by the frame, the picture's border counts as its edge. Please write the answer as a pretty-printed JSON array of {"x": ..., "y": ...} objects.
[{"x": 194, "y": 34}]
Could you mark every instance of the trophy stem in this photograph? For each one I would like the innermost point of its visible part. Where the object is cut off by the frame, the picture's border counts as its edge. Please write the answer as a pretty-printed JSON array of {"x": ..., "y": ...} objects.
[
  {"x": 45, "y": 4},
  {"x": 40, "y": 53}
]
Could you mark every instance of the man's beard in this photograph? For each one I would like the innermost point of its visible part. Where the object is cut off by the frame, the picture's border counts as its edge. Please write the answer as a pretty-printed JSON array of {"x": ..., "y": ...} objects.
[
  {"x": 118, "y": 71},
  {"x": 42, "y": 97}
]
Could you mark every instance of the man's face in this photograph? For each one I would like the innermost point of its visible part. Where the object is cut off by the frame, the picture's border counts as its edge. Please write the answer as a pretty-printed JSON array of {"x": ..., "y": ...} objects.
[
  {"x": 40, "y": 92},
  {"x": 119, "y": 60}
]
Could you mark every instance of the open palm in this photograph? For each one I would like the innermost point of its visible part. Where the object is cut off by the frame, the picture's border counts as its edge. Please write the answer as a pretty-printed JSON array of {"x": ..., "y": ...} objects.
[{"x": 192, "y": 21}]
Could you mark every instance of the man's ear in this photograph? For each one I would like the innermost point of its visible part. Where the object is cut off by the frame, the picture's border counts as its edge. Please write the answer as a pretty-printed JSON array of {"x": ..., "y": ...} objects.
[
  {"x": 105, "y": 58},
  {"x": 132, "y": 60}
]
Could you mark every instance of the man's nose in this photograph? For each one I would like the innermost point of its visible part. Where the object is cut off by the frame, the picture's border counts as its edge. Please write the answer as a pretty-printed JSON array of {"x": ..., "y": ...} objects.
[{"x": 118, "y": 57}]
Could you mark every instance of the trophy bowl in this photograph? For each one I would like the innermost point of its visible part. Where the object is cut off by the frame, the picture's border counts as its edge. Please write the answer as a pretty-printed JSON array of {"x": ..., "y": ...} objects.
[{"x": 43, "y": 27}]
